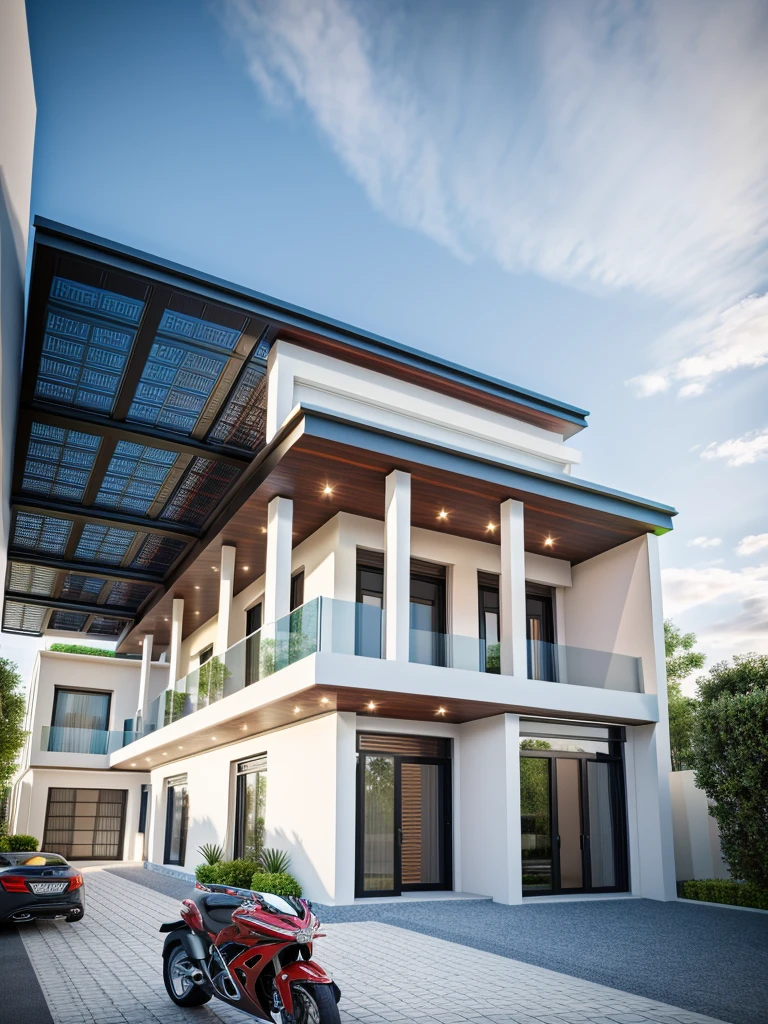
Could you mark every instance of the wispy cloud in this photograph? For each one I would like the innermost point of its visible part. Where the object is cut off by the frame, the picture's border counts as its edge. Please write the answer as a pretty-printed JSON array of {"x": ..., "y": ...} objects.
[
  {"x": 752, "y": 544},
  {"x": 740, "y": 451},
  {"x": 612, "y": 145},
  {"x": 705, "y": 542}
]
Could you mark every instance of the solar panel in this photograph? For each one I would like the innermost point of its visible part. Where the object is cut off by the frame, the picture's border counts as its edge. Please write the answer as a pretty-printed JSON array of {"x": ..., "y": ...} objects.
[
  {"x": 175, "y": 384},
  {"x": 70, "y": 621},
  {"x": 201, "y": 489},
  {"x": 59, "y": 462},
  {"x": 103, "y": 626},
  {"x": 243, "y": 420},
  {"x": 77, "y": 587},
  {"x": 107, "y": 544},
  {"x": 31, "y": 579},
  {"x": 23, "y": 618},
  {"x": 134, "y": 477},
  {"x": 158, "y": 553},
  {"x": 45, "y": 534},
  {"x": 125, "y": 594}
]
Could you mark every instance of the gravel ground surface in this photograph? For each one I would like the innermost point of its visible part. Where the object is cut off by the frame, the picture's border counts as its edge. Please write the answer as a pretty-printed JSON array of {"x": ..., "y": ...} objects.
[{"x": 708, "y": 960}]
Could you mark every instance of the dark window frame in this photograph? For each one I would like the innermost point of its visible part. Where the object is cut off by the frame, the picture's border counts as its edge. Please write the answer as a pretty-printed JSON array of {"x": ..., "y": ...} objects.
[
  {"x": 170, "y": 798},
  {"x": 244, "y": 769},
  {"x": 205, "y": 654},
  {"x": 90, "y": 693},
  {"x": 297, "y": 590}
]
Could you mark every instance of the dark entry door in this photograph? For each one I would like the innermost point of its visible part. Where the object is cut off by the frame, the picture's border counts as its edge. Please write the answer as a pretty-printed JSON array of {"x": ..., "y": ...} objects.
[
  {"x": 404, "y": 828},
  {"x": 572, "y": 824}
]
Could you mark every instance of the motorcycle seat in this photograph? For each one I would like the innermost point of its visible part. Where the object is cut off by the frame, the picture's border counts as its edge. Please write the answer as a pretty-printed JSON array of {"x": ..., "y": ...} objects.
[{"x": 216, "y": 909}]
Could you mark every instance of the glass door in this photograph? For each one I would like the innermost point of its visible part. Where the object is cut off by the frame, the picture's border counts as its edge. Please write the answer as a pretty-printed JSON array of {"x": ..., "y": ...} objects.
[
  {"x": 427, "y": 646},
  {"x": 404, "y": 828}
]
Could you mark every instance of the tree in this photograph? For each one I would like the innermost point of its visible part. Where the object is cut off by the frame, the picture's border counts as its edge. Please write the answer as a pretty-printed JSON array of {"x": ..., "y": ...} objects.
[
  {"x": 12, "y": 705},
  {"x": 681, "y": 661},
  {"x": 730, "y": 759}
]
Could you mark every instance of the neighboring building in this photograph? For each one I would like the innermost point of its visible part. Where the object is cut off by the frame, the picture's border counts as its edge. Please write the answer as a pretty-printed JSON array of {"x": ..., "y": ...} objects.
[{"x": 382, "y": 625}]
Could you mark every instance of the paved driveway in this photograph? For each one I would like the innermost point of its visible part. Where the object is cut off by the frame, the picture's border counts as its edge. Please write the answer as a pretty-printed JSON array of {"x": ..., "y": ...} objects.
[{"x": 107, "y": 970}]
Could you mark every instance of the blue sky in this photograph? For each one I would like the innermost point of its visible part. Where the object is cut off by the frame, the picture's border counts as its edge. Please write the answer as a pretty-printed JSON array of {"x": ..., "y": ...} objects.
[{"x": 573, "y": 197}]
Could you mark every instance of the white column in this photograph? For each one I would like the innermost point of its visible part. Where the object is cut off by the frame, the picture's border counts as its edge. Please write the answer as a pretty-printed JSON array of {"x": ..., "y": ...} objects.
[
  {"x": 514, "y": 652},
  {"x": 277, "y": 583},
  {"x": 397, "y": 566},
  {"x": 177, "y": 621},
  {"x": 226, "y": 593},
  {"x": 146, "y": 663}
]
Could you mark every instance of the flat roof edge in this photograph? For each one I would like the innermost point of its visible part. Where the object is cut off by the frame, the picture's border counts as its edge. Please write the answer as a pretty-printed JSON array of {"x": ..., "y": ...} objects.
[{"x": 572, "y": 416}]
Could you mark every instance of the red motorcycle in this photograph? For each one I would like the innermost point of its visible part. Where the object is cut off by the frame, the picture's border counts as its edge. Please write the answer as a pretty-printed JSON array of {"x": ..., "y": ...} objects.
[{"x": 251, "y": 949}]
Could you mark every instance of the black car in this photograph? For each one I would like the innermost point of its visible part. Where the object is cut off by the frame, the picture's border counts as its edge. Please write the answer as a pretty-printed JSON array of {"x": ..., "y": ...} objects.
[{"x": 39, "y": 885}]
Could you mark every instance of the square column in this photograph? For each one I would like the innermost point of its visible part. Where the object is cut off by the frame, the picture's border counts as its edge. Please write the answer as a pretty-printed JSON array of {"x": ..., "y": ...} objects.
[
  {"x": 146, "y": 664},
  {"x": 514, "y": 646},
  {"x": 397, "y": 566},
  {"x": 174, "y": 654},
  {"x": 277, "y": 582},
  {"x": 226, "y": 593}
]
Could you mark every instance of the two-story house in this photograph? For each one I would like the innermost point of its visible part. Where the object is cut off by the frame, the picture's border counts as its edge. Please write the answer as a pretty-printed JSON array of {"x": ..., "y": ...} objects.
[{"x": 383, "y": 623}]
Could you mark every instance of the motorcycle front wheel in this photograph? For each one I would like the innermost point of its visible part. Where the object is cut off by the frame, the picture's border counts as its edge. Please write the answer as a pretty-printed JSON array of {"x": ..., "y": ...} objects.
[
  {"x": 179, "y": 986},
  {"x": 314, "y": 1004}
]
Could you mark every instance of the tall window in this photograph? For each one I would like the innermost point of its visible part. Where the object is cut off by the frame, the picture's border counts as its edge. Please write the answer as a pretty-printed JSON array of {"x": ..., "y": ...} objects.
[
  {"x": 490, "y": 626},
  {"x": 250, "y": 807},
  {"x": 370, "y": 601},
  {"x": 176, "y": 819},
  {"x": 297, "y": 590},
  {"x": 80, "y": 721},
  {"x": 253, "y": 624}
]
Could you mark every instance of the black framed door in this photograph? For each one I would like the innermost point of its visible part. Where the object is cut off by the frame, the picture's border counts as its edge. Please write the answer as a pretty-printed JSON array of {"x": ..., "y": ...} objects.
[
  {"x": 404, "y": 833},
  {"x": 573, "y": 823}
]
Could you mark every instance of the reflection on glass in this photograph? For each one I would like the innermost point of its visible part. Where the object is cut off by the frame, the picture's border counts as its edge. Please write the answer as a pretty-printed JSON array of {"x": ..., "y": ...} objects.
[
  {"x": 420, "y": 798},
  {"x": 535, "y": 821},
  {"x": 569, "y": 822},
  {"x": 368, "y": 626},
  {"x": 601, "y": 825},
  {"x": 379, "y": 824},
  {"x": 252, "y": 796},
  {"x": 177, "y": 830}
]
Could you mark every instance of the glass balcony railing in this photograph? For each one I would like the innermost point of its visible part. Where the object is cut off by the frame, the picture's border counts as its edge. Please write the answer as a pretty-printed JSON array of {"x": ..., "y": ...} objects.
[
  {"x": 343, "y": 627},
  {"x": 452, "y": 651},
  {"x": 72, "y": 740},
  {"x": 579, "y": 666}
]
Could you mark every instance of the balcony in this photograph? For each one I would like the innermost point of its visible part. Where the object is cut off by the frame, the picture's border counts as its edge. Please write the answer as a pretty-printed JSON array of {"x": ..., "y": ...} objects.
[
  {"x": 341, "y": 627},
  {"x": 70, "y": 740}
]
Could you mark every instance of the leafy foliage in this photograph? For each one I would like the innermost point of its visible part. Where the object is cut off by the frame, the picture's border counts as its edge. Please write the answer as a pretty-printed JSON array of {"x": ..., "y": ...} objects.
[
  {"x": 534, "y": 798},
  {"x": 228, "y": 872},
  {"x": 207, "y": 873},
  {"x": 281, "y": 884},
  {"x": 18, "y": 843},
  {"x": 725, "y": 890},
  {"x": 12, "y": 705},
  {"x": 681, "y": 661},
  {"x": 102, "y": 652},
  {"x": 274, "y": 862},
  {"x": 730, "y": 759},
  {"x": 211, "y": 853}
]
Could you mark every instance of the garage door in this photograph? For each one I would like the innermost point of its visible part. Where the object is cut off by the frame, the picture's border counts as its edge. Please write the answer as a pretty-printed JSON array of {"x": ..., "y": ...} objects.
[{"x": 85, "y": 824}]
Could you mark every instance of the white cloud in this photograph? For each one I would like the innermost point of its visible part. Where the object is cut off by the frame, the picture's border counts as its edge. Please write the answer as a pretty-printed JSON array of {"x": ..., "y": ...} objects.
[
  {"x": 740, "y": 451},
  {"x": 705, "y": 542},
  {"x": 611, "y": 145},
  {"x": 751, "y": 544}
]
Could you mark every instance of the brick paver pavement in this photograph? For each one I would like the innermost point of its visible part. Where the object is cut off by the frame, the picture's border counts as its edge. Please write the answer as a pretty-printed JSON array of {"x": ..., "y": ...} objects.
[{"x": 107, "y": 969}]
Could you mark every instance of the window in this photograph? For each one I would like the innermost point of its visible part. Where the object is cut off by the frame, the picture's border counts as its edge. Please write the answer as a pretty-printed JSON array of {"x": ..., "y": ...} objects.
[
  {"x": 490, "y": 623},
  {"x": 206, "y": 654},
  {"x": 427, "y": 613},
  {"x": 85, "y": 824},
  {"x": 253, "y": 643},
  {"x": 370, "y": 601},
  {"x": 250, "y": 807},
  {"x": 176, "y": 818},
  {"x": 142, "y": 828},
  {"x": 80, "y": 721},
  {"x": 297, "y": 590}
]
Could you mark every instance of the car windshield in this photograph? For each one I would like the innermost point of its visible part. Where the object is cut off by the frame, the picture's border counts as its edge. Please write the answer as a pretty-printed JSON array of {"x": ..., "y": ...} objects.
[{"x": 32, "y": 860}]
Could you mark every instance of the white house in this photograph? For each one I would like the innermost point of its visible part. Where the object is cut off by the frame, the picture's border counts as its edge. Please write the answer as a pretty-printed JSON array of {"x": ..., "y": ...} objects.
[{"x": 367, "y": 610}]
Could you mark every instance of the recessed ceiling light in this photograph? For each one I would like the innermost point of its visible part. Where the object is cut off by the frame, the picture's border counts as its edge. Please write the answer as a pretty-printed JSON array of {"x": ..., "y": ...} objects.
[
  {"x": 244, "y": 728},
  {"x": 246, "y": 568},
  {"x": 133, "y": 764},
  {"x": 327, "y": 490},
  {"x": 165, "y": 620},
  {"x": 491, "y": 527},
  {"x": 181, "y": 748},
  {"x": 197, "y": 587},
  {"x": 147, "y": 758},
  {"x": 548, "y": 542},
  {"x": 442, "y": 514},
  {"x": 165, "y": 753},
  {"x": 371, "y": 706},
  {"x": 441, "y": 711},
  {"x": 324, "y": 700},
  {"x": 296, "y": 710},
  {"x": 263, "y": 529},
  {"x": 213, "y": 737},
  {"x": 197, "y": 613},
  {"x": 215, "y": 568}
]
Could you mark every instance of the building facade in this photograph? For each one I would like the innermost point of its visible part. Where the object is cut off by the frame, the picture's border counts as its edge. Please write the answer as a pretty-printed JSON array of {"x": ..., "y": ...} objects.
[{"x": 366, "y": 611}]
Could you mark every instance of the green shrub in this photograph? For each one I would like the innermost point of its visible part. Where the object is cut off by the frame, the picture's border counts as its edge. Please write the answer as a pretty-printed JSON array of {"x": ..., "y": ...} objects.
[
  {"x": 207, "y": 873},
  {"x": 725, "y": 890},
  {"x": 102, "y": 652},
  {"x": 274, "y": 862},
  {"x": 281, "y": 884},
  {"x": 19, "y": 843}
]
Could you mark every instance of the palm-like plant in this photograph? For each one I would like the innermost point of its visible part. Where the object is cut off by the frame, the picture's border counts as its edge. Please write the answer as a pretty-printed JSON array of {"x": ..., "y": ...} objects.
[
  {"x": 211, "y": 853},
  {"x": 274, "y": 862}
]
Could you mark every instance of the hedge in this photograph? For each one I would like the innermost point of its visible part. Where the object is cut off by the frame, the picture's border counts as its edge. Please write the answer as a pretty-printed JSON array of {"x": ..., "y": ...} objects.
[
  {"x": 102, "y": 652},
  {"x": 281, "y": 884},
  {"x": 18, "y": 843},
  {"x": 726, "y": 891},
  {"x": 237, "y": 873}
]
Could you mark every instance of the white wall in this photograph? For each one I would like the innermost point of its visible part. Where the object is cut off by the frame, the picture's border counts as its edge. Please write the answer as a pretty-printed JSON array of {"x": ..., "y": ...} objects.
[
  {"x": 31, "y": 800},
  {"x": 697, "y": 839},
  {"x": 300, "y": 376}
]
